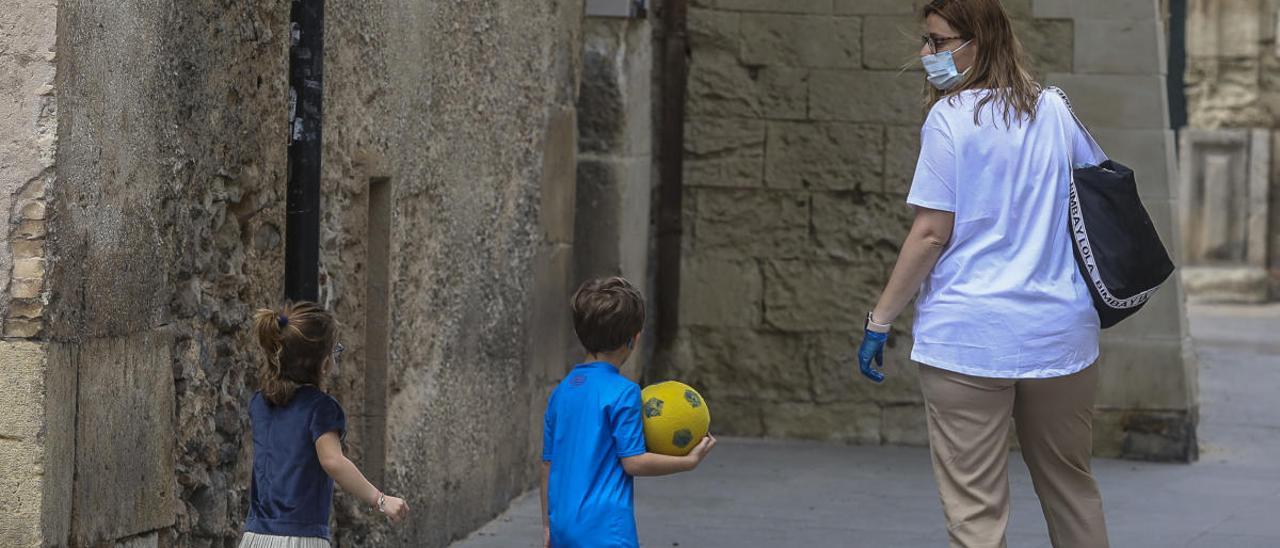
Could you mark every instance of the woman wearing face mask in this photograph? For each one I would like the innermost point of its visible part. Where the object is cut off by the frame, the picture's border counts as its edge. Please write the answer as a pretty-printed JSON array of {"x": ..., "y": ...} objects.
[{"x": 1004, "y": 323}]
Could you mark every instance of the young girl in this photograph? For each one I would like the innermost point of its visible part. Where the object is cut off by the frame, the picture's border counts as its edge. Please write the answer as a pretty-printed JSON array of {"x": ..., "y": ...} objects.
[{"x": 297, "y": 435}]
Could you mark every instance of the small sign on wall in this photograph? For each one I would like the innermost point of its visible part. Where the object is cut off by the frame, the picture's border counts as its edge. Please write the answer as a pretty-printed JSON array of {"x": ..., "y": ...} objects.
[{"x": 616, "y": 8}]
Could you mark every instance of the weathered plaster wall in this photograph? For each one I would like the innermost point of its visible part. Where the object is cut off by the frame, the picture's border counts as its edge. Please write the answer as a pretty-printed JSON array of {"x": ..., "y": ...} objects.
[
  {"x": 166, "y": 234},
  {"x": 801, "y": 141},
  {"x": 467, "y": 109},
  {"x": 34, "y": 479},
  {"x": 168, "y": 225}
]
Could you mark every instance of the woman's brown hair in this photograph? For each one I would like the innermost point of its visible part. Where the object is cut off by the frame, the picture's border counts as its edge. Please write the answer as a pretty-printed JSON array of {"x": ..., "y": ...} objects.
[
  {"x": 1000, "y": 65},
  {"x": 298, "y": 340}
]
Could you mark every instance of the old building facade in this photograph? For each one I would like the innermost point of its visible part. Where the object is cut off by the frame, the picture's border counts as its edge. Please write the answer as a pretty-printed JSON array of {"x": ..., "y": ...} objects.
[
  {"x": 148, "y": 225},
  {"x": 480, "y": 158},
  {"x": 1230, "y": 151}
]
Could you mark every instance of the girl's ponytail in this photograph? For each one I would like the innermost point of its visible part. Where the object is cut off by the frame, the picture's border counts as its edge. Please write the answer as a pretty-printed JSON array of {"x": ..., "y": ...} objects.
[
  {"x": 269, "y": 326},
  {"x": 296, "y": 342}
]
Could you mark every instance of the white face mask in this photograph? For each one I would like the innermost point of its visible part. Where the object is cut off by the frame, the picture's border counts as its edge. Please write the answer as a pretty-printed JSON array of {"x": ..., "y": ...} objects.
[{"x": 940, "y": 68}]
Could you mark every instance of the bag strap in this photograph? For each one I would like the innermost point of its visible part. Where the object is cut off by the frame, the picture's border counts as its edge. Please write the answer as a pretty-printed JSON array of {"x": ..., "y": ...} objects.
[{"x": 1093, "y": 143}]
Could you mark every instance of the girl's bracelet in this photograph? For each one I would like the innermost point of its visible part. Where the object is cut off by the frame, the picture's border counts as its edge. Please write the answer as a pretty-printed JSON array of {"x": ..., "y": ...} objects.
[{"x": 382, "y": 501}]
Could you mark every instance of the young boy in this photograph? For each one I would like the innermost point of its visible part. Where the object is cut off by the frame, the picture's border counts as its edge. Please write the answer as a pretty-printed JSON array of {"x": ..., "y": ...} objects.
[{"x": 593, "y": 437}]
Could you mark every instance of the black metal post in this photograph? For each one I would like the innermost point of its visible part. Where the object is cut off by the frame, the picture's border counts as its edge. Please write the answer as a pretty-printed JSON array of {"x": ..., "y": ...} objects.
[
  {"x": 306, "y": 101},
  {"x": 1177, "y": 64},
  {"x": 670, "y": 224}
]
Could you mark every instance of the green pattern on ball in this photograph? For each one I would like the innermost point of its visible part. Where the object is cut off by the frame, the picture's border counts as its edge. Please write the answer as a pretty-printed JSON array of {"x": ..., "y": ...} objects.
[
  {"x": 681, "y": 438},
  {"x": 692, "y": 398},
  {"x": 653, "y": 408}
]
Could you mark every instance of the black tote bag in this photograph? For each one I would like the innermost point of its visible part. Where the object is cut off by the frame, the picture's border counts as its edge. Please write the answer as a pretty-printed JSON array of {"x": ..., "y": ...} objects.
[{"x": 1117, "y": 248}]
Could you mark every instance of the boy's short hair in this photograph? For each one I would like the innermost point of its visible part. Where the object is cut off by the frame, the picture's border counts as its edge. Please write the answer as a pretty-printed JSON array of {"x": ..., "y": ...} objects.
[{"x": 607, "y": 313}]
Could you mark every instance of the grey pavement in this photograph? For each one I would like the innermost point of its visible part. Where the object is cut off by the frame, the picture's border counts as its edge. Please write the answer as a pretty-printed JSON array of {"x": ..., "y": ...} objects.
[{"x": 760, "y": 493}]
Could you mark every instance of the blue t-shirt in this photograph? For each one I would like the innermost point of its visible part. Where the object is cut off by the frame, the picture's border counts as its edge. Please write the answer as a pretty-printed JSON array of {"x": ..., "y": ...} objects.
[
  {"x": 291, "y": 493},
  {"x": 592, "y": 422}
]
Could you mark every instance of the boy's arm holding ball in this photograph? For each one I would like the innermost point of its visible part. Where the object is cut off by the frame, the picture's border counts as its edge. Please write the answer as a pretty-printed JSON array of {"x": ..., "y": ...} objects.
[
  {"x": 654, "y": 464},
  {"x": 345, "y": 473}
]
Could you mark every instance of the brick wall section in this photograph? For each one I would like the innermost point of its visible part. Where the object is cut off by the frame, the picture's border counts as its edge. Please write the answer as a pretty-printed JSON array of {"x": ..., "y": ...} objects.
[{"x": 802, "y": 134}]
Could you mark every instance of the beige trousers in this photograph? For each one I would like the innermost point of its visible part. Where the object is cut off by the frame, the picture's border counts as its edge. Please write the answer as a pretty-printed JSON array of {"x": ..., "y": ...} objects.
[{"x": 968, "y": 420}]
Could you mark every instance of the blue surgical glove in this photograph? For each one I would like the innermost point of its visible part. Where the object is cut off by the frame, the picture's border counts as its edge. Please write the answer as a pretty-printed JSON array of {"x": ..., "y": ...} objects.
[{"x": 872, "y": 348}]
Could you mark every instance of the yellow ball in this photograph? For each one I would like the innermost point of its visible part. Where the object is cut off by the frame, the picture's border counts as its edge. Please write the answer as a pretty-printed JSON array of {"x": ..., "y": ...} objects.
[{"x": 675, "y": 418}]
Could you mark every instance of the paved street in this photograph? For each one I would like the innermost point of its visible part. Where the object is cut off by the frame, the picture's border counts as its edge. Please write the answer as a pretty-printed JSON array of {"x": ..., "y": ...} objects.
[{"x": 794, "y": 494}]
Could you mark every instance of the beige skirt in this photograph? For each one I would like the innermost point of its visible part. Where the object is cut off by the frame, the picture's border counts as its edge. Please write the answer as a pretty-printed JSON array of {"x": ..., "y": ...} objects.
[{"x": 255, "y": 540}]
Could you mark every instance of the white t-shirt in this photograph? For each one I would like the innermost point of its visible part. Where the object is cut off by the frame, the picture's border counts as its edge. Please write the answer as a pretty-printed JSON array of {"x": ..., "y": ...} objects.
[{"x": 1005, "y": 299}]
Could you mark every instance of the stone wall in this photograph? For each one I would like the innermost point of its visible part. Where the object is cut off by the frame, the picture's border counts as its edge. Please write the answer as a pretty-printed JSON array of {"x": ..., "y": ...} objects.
[
  {"x": 801, "y": 139},
  {"x": 1233, "y": 83},
  {"x": 449, "y": 155},
  {"x": 615, "y": 165},
  {"x": 34, "y": 479},
  {"x": 1233, "y": 63}
]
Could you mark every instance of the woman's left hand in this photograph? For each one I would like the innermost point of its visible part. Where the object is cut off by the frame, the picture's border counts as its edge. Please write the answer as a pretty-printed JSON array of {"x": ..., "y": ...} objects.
[{"x": 872, "y": 348}]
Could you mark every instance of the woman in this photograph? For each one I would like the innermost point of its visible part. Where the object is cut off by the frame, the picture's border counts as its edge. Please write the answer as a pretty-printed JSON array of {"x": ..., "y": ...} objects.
[{"x": 1004, "y": 324}]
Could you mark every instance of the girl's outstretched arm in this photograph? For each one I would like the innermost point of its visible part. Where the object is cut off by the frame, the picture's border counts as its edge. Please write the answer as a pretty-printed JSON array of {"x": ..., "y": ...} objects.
[{"x": 343, "y": 471}]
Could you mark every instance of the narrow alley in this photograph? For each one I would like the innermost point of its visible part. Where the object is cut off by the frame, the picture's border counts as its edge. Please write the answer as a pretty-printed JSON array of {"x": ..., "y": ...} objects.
[{"x": 794, "y": 494}]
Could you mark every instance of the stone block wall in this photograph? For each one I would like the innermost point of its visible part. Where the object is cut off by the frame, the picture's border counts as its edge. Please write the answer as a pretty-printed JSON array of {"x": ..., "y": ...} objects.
[
  {"x": 802, "y": 134},
  {"x": 615, "y": 164},
  {"x": 1147, "y": 404},
  {"x": 799, "y": 121}
]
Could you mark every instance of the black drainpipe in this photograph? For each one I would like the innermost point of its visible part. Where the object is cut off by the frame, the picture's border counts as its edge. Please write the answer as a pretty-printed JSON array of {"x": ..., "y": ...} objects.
[
  {"x": 670, "y": 228},
  {"x": 1177, "y": 64},
  {"x": 306, "y": 98}
]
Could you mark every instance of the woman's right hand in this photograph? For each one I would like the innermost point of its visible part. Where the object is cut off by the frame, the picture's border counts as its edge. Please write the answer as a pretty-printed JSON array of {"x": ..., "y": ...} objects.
[
  {"x": 395, "y": 508},
  {"x": 872, "y": 349}
]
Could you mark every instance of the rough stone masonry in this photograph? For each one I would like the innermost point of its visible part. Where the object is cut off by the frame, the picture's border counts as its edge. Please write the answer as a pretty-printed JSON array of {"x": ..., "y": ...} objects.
[
  {"x": 801, "y": 140},
  {"x": 146, "y": 226}
]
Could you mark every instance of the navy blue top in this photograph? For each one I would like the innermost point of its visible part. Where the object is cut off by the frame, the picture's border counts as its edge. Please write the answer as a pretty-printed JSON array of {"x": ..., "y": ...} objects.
[
  {"x": 291, "y": 494},
  {"x": 592, "y": 423}
]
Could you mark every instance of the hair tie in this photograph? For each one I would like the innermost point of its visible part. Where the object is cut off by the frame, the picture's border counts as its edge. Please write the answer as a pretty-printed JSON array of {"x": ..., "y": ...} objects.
[{"x": 283, "y": 321}]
